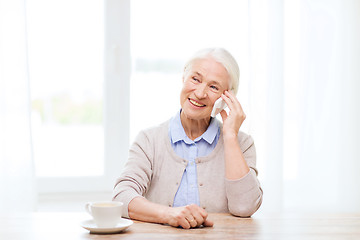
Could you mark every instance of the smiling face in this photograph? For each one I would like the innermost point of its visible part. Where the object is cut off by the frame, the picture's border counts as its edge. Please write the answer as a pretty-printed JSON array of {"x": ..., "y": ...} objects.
[{"x": 204, "y": 83}]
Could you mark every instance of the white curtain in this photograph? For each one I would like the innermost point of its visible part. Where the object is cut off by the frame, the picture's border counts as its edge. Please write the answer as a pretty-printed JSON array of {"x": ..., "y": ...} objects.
[
  {"x": 16, "y": 163},
  {"x": 305, "y": 103}
]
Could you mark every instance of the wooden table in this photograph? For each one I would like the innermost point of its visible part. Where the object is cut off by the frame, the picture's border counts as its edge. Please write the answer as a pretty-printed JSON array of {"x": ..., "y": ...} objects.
[{"x": 66, "y": 226}]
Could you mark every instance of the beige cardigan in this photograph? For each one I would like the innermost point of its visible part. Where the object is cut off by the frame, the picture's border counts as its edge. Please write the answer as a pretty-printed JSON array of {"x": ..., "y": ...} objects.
[{"x": 154, "y": 171}]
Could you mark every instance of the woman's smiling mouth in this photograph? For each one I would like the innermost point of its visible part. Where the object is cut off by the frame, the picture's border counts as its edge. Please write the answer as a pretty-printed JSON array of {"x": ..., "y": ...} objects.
[{"x": 196, "y": 103}]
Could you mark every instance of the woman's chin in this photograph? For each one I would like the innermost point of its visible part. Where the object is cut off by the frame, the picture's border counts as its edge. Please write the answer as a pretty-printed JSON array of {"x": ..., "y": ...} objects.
[{"x": 198, "y": 114}]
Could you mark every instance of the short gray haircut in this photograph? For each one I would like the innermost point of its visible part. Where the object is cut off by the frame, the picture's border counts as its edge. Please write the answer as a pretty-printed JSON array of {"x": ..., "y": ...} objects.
[{"x": 221, "y": 56}]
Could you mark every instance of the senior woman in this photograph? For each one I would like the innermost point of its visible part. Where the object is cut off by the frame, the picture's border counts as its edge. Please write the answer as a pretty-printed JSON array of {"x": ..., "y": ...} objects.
[{"x": 193, "y": 164}]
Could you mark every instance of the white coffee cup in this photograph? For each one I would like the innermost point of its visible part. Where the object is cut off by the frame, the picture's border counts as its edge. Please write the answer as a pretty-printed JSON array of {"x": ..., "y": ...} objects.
[{"x": 106, "y": 214}]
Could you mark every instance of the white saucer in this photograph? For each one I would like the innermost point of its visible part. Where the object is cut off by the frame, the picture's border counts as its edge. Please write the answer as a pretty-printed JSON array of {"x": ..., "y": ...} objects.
[{"x": 121, "y": 226}]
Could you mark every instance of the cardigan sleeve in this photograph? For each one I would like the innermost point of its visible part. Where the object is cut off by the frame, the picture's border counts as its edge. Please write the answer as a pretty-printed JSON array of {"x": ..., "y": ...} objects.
[
  {"x": 245, "y": 194},
  {"x": 136, "y": 176}
]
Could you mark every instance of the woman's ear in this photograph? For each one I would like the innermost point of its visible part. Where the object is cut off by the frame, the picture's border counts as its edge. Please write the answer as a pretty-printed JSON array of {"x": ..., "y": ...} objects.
[
  {"x": 183, "y": 77},
  {"x": 185, "y": 73}
]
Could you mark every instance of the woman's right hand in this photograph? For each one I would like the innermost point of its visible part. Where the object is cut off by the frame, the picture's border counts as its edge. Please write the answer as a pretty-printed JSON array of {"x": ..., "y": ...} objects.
[{"x": 189, "y": 216}]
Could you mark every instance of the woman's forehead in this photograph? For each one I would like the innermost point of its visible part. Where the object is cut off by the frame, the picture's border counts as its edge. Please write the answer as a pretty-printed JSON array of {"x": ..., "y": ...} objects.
[{"x": 209, "y": 68}]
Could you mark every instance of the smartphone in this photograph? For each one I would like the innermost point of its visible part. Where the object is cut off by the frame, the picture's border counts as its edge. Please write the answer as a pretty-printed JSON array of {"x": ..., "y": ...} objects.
[{"x": 219, "y": 105}]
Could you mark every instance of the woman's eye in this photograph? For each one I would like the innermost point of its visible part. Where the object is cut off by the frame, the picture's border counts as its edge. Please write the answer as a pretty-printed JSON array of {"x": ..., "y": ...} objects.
[
  {"x": 195, "y": 79},
  {"x": 214, "y": 87}
]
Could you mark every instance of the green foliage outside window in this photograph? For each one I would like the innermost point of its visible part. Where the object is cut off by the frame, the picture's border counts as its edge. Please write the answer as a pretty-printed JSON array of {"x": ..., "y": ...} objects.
[{"x": 63, "y": 110}]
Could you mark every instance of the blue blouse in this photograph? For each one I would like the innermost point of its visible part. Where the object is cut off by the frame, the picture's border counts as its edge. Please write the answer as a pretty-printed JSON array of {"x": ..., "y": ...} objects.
[{"x": 188, "y": 192}]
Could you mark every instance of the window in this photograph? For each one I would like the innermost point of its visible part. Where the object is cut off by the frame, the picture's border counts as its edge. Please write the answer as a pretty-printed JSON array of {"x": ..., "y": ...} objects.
[
  {"x": 66, "y": 73},
  {"x": 70, "y": 82}
]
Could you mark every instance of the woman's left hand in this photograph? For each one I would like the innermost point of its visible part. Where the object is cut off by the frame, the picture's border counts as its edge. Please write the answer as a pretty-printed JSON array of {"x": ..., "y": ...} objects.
[{"x": 232, "y": 121}]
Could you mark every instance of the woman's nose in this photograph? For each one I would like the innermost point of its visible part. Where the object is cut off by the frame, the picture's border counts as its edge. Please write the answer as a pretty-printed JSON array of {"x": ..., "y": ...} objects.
[{"x": 201, "y": 91}]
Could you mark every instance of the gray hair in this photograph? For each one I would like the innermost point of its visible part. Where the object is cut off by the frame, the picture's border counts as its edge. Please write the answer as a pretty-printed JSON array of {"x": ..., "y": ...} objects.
[{"x": 223, "y": 57}]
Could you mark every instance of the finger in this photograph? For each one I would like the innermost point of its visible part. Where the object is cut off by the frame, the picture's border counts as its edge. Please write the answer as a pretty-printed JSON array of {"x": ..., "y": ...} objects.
[
  {"x": 184, "y": 223},
  {"x": 198, "y": 218},
  {"x": 235, "y": 106},
  {"x": 181, "y": 218},
  {"x": 230, "y": 95},
  {"x": 203, "y": 212},
  {"x": 198, "y": 213},
  {"x": 193, "y": 208},
  {"x": 208, "y": 223},
  {"x": 223, "y": 115},
  {"x": 233, "y": 98},
  {"x": 226, "y": 98},
  {"x": 228, "y": 101},
  {"x": 193, "y": 223}
]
